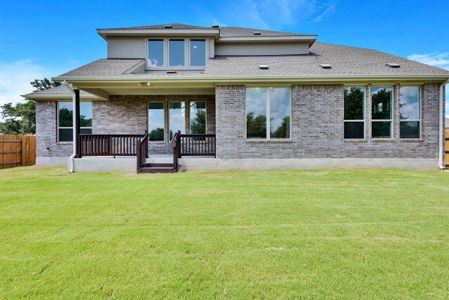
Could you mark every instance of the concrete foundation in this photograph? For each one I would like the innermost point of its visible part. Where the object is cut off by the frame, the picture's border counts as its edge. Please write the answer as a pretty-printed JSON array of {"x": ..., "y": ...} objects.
[{"x": 128, "y": 164}]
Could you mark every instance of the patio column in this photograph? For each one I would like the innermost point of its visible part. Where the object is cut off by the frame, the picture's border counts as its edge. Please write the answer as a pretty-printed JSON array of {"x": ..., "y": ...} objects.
[{"x": 76, "y": 123}]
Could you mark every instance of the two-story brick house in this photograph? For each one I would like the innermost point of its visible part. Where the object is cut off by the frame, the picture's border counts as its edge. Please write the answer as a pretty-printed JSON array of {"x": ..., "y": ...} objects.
[{"x": 230, "y": 97}]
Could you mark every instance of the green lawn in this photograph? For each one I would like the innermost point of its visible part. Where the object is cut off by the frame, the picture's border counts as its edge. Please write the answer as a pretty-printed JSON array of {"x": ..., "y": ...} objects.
[{"x": 231, "y": 234}]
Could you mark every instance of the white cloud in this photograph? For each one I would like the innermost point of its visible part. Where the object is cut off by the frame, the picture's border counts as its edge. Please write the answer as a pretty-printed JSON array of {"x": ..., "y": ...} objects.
[
  {"x": 15, "y": 78},
  {"x": 434, "y": 59},
  {"x": 270, "y": 14}
]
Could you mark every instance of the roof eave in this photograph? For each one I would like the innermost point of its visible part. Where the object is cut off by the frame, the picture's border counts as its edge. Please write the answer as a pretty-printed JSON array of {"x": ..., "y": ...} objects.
[
  {"x": 218, "y": 79},
  {"x": 105, "y": 33}
]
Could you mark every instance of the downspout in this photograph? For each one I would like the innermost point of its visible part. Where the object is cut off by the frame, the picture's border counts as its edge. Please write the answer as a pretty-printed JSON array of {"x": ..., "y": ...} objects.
[
  {"x": 72, "y": 157},
  {"x": 441, "y": 127}
]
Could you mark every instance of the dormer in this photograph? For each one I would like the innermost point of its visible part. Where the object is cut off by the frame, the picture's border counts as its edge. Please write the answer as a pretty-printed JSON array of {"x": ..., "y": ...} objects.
[
  {"x": 172, "y": 47},
  {"x": 164, "y": 47}
]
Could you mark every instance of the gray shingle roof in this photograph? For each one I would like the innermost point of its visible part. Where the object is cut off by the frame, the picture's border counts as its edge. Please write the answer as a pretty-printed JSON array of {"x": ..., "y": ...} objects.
[
  {"x": 61, "y": 92},
  {"x": 226, "y": 32},
  {"x": 160, "y": 26},
  {"x": 345, "y": 61}
]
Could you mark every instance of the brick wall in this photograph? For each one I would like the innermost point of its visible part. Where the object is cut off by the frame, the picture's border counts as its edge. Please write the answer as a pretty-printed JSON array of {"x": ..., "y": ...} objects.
[
  {"x": 46, "y": 145},
  {"x": 318, "y": 128}
]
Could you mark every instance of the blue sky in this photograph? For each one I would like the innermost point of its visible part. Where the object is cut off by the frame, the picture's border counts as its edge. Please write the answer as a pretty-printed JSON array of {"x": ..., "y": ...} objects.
[{"x": 46, "y": 38}]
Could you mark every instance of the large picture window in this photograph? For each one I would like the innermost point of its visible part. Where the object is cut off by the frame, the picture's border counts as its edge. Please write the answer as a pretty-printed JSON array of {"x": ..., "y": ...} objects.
[
  {"x": 156, "y": 121},
  {"x": 177, "y": 117},
  {"x": 197, "y": 117},
  {"x": 65, "y": 120},
  {"x": 354, "y": 115},
  {"x": 409, "y": 111},
  {"x": 382, "y": 101},
  {"x": 268, "y": 113}
]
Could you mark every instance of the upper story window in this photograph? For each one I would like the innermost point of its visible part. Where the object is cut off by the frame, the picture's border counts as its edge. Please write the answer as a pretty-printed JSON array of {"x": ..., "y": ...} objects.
[
  {"x": 156, "y": 53},
  {"x": 197, "y": 53},
  {"x": 176, "y": 54}
]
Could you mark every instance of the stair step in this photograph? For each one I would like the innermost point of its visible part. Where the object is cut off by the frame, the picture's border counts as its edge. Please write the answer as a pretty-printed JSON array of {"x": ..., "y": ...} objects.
[
  {"x": 157, "y": 170},
  {"x": 157, "y": 165}
]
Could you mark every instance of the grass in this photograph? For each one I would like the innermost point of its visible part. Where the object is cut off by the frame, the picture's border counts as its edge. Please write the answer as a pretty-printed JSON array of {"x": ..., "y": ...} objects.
[{"x": 230, "y": 234}]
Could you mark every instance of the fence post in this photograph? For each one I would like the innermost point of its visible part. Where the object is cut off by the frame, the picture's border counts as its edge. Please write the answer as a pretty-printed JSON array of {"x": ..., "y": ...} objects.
[{"x": 23, "y": 150}]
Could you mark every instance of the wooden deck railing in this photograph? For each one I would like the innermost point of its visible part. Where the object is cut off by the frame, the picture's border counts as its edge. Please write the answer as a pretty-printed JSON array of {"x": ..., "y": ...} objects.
[
  {"x": 197, "y": 144},
  {"x": 108, "y": 144}
]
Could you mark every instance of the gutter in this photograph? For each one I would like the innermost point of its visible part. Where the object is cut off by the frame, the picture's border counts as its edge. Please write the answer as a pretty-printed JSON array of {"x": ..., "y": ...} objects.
[
  {"x": 441, "y": 140},
  {"x": 226, "y": 79}
]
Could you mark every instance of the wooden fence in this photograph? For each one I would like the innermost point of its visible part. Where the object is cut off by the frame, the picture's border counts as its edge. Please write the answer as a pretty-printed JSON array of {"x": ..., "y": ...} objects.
[
  {"x": 16, "y": 150},
  {"x": 446, "y": 147}
]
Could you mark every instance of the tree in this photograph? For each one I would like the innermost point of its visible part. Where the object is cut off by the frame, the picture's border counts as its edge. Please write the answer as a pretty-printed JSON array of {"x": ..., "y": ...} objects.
[
  {"x": 44, "y": 84},
  {"x": 20, "y": 118}
]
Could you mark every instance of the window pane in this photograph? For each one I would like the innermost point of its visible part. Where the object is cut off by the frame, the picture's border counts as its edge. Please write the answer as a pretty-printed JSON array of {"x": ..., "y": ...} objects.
[
  {"x": 177, "y": 117},
  {"x": 256, "y": 112},
  {"x": 381, "y": 98},
  {"x": 65, "y": 114},
  {"x": 197, "y": 53},
  {"x": 86, "y": 114},
  {"x": 354, "y": 97},
  {"x": 280, "y": 113},
  {"x": 65, "y": 135},
  {"x": 198, "y": 117},
  {"x": 409, "y": 130},
  {"x": 156, "y": 53},
  {"x": 381, "y": 129},
  {"x": 409, "y": 103},
  {"x": 176, "y": 50},
  {"x": 156, "y": 121},
  {"x": 354, "y": 130}
]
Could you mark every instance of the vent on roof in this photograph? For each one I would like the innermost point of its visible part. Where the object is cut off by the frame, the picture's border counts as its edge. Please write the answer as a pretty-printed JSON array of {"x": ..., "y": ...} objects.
[
  {"x": 215, "y": 26},
  {"x": 326, "y": 66},
  {"x": 257, "y": 33},
  {"x": 171, "y": 72},
  {"x": 263, "y": 67},
  {"x": 168, "y": 26},
  {"x": 393, "y": 65}
]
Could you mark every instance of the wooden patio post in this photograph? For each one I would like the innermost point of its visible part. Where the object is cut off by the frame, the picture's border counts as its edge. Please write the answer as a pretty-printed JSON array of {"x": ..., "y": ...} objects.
[{"x": 77, "y": 126}]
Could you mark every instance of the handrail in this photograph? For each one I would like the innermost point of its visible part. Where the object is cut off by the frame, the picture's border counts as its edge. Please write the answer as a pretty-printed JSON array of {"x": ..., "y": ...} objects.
[{"x": 142, "y": 151}]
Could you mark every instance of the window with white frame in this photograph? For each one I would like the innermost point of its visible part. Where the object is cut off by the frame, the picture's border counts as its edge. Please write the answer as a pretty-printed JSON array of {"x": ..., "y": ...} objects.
[
  {"x": 176, "y": 53},
  {"x": 382, "y": 112},
  {"x": 409, "y": 112},
  {"x": 354, "y": 114},
  {"x": 268, "y": 113},
  {"x": 197, "y": 117},
  {"x": 176, "y": 117},
  {"x": 156, "y": 121},
  {"x": 65, "y": 120}
]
